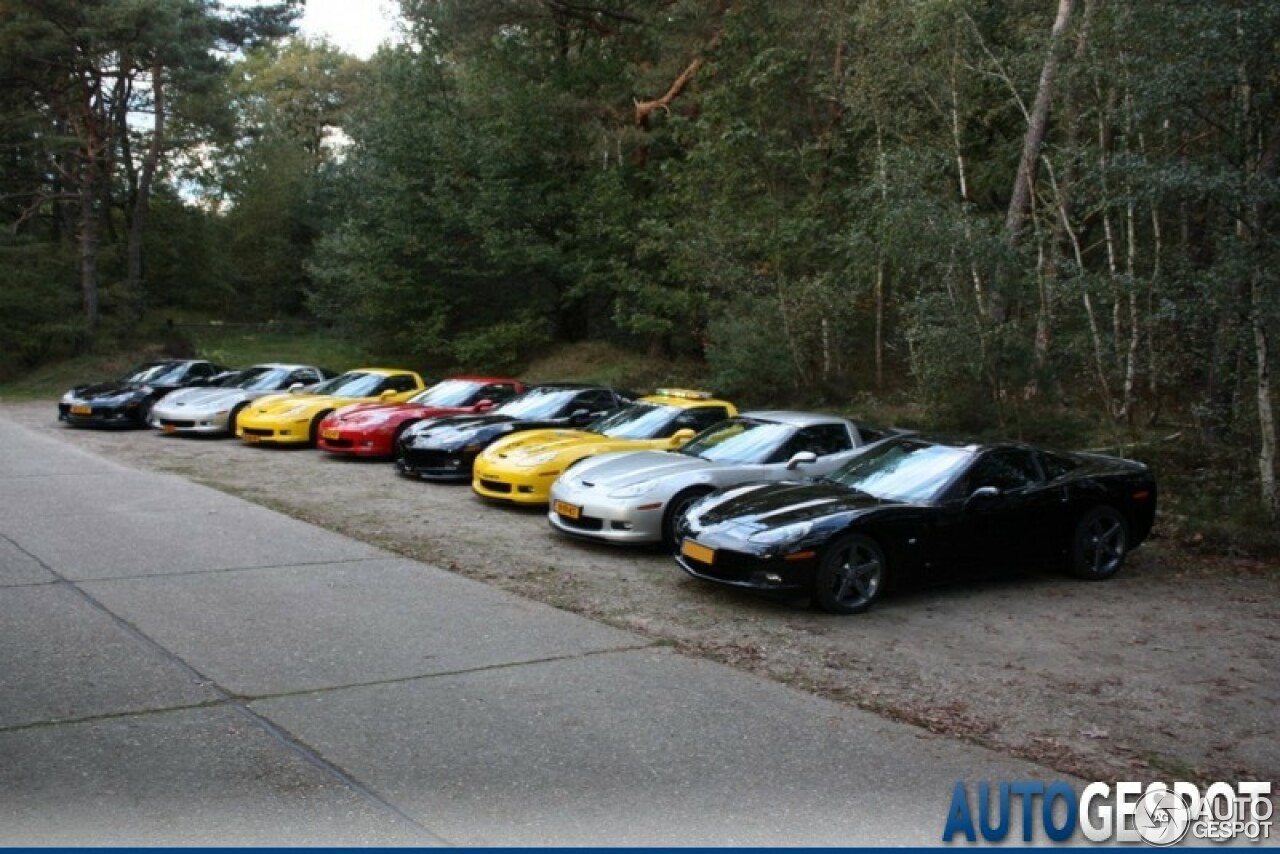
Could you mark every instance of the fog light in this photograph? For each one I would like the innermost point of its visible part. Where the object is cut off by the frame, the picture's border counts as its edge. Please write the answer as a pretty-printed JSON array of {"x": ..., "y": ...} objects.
[
  {"x": 524, "y": 489},
  {"x": 621, "y": 526},
  {"x": 772, "y": 578}
]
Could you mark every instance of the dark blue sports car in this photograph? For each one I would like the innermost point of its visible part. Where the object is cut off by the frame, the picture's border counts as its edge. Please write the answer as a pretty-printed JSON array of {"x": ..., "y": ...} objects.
[{"x": 915, "y": 507}]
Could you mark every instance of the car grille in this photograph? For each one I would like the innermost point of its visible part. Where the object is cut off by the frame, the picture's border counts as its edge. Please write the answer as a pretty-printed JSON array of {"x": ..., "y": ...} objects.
[
  {"x": 339, "y": 443},
  {"x": 582, "y": 523},
  {"x": 258, "y": 431},
  {"x": 420, "y": 459},
  {"x": 495, "y": 486},
  {"x": 168, "y": 422}
]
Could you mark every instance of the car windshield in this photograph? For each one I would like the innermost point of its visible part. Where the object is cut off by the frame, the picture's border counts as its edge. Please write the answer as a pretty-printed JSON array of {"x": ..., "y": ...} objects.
[
  {"x": 538, "y": 403},
  {"x": 738, "y": 440},
  {"x": 906, "y": 470},
  {"x": 156, "y": 373},
  {"x": 260, "y": 379},
  {"x": 447, "y": 393},
  {"x": 637, "y": 421},
  {"x": 351, "y": 384}
]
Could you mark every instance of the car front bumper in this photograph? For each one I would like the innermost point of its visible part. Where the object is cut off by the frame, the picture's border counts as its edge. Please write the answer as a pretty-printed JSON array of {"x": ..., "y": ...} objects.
[
  {"x": 100, "y": 416},
  {"x": 274, "y": 431},
  {"x": 736, "y": 564},
  {"x": 632, "y": 522},
  {"x": 531, "y": 486},
  {"x": 355, "y": 443},
  {"x": 172, "y": 420}
]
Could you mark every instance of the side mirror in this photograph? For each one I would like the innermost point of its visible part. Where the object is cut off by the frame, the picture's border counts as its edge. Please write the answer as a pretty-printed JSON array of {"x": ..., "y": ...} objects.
[
  {"x": 980, "y": 495},
  {"x": 295, "y": 388},
  {"x": 483, "y": 405},
  {"x": 388, "y": 394},
  {"x": 579, "y": 417},
  {"x": 681, "y": 436},
  {"x": 802, "y": 458}
]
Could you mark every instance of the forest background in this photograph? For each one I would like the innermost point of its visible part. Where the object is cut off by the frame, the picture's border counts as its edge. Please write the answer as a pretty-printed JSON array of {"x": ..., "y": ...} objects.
[{"x": 1050, "y": 219}]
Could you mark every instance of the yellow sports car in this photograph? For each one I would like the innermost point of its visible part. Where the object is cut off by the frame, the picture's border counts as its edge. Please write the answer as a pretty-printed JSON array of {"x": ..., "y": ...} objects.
[
  {"x": 522, "y": 467},
  {"x": 294, "y": 418}
]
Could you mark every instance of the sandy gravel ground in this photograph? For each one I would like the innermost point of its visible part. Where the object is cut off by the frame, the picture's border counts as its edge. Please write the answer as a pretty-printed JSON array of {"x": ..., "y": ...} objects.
[{"x": 1168, "y": 671}]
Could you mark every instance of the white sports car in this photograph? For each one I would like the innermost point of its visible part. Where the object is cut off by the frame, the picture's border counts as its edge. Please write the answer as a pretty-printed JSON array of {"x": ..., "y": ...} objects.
[
  {"x": 214, "y": 410},
  {"x": 637, "y": 496}
]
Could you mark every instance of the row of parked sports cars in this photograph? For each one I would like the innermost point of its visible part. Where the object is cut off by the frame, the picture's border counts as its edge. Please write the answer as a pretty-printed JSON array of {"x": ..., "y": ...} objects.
[{"x": 774, "y": 501}]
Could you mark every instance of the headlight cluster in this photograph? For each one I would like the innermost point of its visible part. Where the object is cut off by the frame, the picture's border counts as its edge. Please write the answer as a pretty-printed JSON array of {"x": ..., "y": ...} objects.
[
  {"x": 635, "y": 490},
  {"x": 785, "y": 534}
]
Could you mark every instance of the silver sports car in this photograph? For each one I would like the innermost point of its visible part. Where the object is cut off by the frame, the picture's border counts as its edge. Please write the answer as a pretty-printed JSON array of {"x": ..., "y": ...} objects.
[
  {"x": 637, "y": 496},
  {"x": 214, "y": 410}
]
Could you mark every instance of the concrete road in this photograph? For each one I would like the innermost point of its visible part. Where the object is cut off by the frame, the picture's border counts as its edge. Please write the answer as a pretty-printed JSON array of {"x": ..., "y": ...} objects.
[{"x": 182, "y": 667}]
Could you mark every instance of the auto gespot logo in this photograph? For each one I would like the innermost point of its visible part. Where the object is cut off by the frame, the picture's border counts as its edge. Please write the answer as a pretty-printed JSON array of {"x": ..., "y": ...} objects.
[{"x": 1156, "y": 813}]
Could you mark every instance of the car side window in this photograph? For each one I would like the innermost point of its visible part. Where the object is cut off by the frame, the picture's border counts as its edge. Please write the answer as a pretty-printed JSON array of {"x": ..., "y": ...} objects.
[
  {"x": 398, "y": 383},
  {"x": 819, "y": 439},
  {"x": 200, "y": 369},
  {"x": 596, "y": 400},
  {"x": 1007, "y": 469},
  {"x": 1055, "y": 466},
  {"x": 304, "y": 377},
  {"x": 497, "y": 392},
  {"x": 699, "y": 418}
]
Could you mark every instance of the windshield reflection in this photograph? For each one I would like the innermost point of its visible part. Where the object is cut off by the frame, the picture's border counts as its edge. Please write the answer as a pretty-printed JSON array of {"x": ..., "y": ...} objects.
[
  {"x": 537, "y": 403},
  {"x": 637, "y": 421},
  {"x": 447, "y": 393},
  {"x": 906, "y": 470},
  {"x": 738, "y": 440}
]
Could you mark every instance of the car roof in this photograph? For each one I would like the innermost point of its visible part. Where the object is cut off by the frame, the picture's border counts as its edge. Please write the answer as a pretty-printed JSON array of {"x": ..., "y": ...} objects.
[
  {"x": 473, "y": 378},
  {"x": 682, "y": 400},
  {"x": 283, "y": 366},
  {"x": 386, "y": 372},
  {"x": 565, "y": 387},
  {"x": 794, "y": 418}
]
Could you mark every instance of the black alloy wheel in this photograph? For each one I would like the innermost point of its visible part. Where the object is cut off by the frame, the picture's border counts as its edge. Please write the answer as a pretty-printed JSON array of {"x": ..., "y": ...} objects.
[
  {"x": 852, "y": 574},
  {"x": 676, "y": 509},
  {"x": 1100, "y": 544}
]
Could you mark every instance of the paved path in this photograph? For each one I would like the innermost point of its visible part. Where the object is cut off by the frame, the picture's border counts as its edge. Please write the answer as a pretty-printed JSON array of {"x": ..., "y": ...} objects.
[{"x": 183, "y": 667}]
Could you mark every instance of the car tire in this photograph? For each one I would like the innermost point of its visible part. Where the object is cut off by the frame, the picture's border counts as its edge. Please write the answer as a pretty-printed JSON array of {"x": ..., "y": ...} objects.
[
  {"x": 852, "y": 575},
  {"x": 1100, "y": 544},
  {"x": 233, "y": 417},
  {"x": 676, "y": 508},
  {"x": 314, "y": 432}
]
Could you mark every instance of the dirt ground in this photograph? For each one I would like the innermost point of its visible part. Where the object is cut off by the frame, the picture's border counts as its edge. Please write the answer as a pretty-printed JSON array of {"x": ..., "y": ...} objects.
[{"x": 1168, "y": 671}]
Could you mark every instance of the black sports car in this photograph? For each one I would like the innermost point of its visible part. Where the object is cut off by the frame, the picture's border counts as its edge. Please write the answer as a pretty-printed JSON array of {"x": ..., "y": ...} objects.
[
  {"x": 446, "y": 448},
  {"x": 127, "y": 402},
  {"x": 925, "y": 508}
]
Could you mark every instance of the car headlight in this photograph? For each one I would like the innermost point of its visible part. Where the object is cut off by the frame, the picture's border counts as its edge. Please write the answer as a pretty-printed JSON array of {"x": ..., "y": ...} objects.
[
  {"x": 785, "y": 534},
  {"x": 293, "y": 411},
  {"x": 635, "y": 490}
]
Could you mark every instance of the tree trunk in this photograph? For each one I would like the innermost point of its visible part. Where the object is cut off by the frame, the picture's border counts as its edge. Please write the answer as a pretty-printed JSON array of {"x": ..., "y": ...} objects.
[
  {"x": 142, "y": 202},
  {"x": 1037, "y": 125}
]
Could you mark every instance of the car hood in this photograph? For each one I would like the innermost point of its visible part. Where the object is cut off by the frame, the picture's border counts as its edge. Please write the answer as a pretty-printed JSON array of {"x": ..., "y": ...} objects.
[
  {"x": 205, "y": 398},
  {"x": 102, "y": 391},
  {"x": 529, "y": 443},
  {"x": 370, "y": 414},
  {"x": 278, "y": 404},
  {"x": 625, "y": 468},
  {"x": 772, "y": 505},
  {"x": 461, "y": 430}
]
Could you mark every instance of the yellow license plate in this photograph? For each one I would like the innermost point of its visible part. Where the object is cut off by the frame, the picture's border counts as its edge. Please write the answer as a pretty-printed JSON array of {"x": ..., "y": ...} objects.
[
  {"x": 568, "y": 511},
  {"x": 82, "y": 410},
  {"x": 330, "y": 434},
  {"x": 250, "y": 438},
  {"x": 698, "y": 552},
  {"x": 169, "y": 428}
]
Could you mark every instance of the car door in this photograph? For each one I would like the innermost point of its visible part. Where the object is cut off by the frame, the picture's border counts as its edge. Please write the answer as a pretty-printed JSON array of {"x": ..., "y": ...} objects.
[{"x": 995, "y": 515}]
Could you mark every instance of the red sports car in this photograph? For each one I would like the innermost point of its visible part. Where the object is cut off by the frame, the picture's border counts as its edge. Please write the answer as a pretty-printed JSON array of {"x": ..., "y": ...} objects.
[{"x": 371, "y": 429}]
